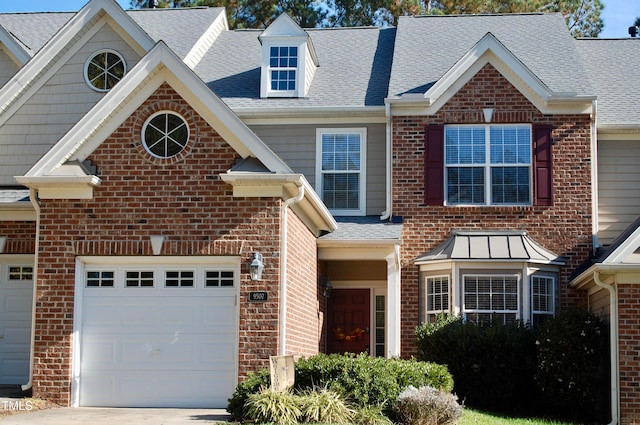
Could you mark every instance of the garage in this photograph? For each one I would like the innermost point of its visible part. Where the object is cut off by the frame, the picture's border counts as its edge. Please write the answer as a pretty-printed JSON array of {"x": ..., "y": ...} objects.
[
  {"x": 157, "y": 335},
  {"x": 16, "y": 301}
]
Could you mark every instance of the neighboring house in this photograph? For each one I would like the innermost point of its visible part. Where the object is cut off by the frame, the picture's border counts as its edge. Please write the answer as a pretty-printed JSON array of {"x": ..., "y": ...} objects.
[{"x": 379, "y": 176}]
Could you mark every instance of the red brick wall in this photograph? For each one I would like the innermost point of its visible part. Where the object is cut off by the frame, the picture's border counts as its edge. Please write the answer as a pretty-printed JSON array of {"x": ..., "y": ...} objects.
[
  {"x": 564, "y": 228},
  {"x": 21, "y": 236},
  {"x": 185, "y": 201},
  {"x": 629, "y": 346},
  {"x": 304, "y": 320}
]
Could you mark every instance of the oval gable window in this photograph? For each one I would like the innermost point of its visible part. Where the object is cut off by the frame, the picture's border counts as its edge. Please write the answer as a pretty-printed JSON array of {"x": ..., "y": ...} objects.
[
  {"x": 165, "y": 134},
  {"x": 104, "y": 69}
]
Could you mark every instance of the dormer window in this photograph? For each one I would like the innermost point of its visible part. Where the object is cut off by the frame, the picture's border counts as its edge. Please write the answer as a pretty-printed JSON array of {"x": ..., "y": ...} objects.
[
  {"x": 283, "y": 67},
  {"x": 289, "y": 61}
]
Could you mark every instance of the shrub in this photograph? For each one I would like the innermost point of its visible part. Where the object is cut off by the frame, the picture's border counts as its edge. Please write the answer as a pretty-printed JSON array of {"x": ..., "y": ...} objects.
[
  {"x": 493, "y": 366},
  {"x": 573, "y": 360},
  {"x": 371, "y": 415},
  {"x": 427, "y": 406},
  {"x": 278, "y": 407},
  {"x": 366, "y": 381},
  {"x": 322, "y": 405}
]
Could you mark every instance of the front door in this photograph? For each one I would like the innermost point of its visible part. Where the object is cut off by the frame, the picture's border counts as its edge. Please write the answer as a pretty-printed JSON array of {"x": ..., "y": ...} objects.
[{"x": 348, "y": 322}]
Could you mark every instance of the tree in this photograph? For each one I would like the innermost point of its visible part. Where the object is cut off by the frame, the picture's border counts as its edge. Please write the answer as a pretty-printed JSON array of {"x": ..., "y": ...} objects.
[{"x": 582, "y": 16}]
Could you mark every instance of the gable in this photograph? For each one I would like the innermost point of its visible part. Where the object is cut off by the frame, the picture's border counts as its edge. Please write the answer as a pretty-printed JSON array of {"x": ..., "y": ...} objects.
[{"x": 8, "y": 66}]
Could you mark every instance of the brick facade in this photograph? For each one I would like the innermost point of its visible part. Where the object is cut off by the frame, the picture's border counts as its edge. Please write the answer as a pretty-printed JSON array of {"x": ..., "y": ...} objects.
[
  {"x": 21, "y": 236},
  {"x": 564, "y": 228},
  {"x": 629, "y": 349},
  {"x": 185, "y": 201}
]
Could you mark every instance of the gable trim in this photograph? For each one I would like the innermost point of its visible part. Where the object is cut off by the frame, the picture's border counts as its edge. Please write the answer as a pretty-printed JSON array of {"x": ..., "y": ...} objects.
[
  {"x": 15, "y": 51},
  {"x": 489, "y": 50}
]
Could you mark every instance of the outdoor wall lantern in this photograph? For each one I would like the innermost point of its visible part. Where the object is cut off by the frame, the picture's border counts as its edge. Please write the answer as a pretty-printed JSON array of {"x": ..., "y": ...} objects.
[
  {"x": 326, "y": 286},
  {"x": 256, "y": 266}
]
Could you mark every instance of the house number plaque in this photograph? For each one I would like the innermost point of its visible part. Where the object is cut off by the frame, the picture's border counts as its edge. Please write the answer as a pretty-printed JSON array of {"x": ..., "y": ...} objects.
[{"x": 258, "y": 296}]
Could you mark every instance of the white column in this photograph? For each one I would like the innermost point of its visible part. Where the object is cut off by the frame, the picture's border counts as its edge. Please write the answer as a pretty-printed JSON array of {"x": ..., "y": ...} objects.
[{"x": 393, "y": 303}]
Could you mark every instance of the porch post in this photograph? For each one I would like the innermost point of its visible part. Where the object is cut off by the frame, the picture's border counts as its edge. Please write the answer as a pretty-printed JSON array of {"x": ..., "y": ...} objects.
[{"x": 393, "y": 303}]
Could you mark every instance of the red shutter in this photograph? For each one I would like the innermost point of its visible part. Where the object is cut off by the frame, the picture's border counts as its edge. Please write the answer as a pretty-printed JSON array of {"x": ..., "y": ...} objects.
[
  {"x": 434, "y": 165},
  {"x": 542, "y": 165}
]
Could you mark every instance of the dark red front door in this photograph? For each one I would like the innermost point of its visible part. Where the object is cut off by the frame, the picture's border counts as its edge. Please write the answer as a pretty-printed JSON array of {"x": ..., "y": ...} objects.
[{"x": 348, "y": 321}]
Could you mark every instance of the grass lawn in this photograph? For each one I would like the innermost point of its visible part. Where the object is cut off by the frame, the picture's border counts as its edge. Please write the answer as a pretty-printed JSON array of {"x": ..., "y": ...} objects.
[{"x": 474, "y": 417}]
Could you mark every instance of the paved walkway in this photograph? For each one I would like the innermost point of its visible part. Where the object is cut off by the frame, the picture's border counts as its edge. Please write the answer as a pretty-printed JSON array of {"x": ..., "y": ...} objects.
[{"x": 11, "y": 398}]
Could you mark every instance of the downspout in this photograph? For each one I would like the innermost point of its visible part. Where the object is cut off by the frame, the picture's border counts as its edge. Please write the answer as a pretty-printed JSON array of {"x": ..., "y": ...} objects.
[
  {"x": 594, "y": 176},
  {"x": 613, "y": 329},
  {"x": 388, "y": 165},
  {"x": 283, "y": 269},
  {"x": 36, "y": 205}
]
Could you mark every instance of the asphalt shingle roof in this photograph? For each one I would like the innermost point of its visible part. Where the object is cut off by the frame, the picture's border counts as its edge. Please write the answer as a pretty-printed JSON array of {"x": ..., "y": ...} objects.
[
  {"x": 428, "y": 46},
  {"x": 612, "y": 66},
  {"x": 364, "y": 228},
  {"x": 354, "y": 69}
]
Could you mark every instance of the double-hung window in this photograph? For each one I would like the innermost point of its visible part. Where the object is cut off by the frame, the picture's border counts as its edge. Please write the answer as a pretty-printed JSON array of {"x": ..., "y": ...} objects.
[
  {"x": 488, "y": 165},
  {"x": 491, "y": 298},
  {"x": 543, "y": 295},
  {"x": 283, "y": 67},
  {"x": 340, "y": 173}
]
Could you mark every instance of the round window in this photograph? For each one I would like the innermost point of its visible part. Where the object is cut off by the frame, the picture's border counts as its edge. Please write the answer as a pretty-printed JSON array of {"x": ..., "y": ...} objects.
[
  {"x": 165, "y": 134},
  {"x": 104, "y": 69}
]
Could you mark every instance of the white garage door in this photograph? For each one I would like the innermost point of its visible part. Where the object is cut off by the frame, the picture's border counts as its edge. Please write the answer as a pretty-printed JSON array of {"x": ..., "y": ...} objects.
[
  {"x": 160, "y": 336},
  {"x": 16, "y": 300}
]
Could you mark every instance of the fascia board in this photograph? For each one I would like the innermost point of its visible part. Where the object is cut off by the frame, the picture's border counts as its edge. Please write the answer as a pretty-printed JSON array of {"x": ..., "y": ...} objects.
[
  {"x": 62, "y": 187},
  {"x": 17, "y": 212},
  {"x": 628, "y": 247},
  {"x": 283, "y": 26},
  {"x": 14, "y": 49},
  {"x": 22, "y": 85}
]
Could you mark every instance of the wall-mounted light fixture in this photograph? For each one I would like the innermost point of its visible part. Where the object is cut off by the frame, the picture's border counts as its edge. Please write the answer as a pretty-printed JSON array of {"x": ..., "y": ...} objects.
[
  {"x": 326, "y": 286},
  {"x": 3, "y": 242},
  {"x": 256, "y": 266}
]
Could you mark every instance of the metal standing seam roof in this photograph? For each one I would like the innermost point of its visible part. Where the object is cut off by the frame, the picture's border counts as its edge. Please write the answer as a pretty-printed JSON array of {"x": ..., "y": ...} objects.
[
  {"x": 507, "y": 245},
  {"x": 612, "y": 67},
  {"x": 428, "y": 46},
  {"x": 354, "y": 69}
]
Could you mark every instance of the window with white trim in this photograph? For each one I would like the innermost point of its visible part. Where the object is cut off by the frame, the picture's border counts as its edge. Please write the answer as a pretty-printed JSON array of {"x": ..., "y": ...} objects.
[
  {"x": 219, "y": 279},
  {"x": 491, "y": 298},
  {"x": 104, "y": 69},
  {"x": 488, "y": 164},
  {"x": 543, "y": 296},
  {"x": 100, "y": 279},
  {"x": 179, "y": 278},
  {"x": 165, "y": 134},
  {"x": 139, "y": 279},
  {"x": 21, "y": 273},
  {"x": 283, "y": 68},
  {"x": 437, "y": 297},
  {"x": 340, "y": 176}
]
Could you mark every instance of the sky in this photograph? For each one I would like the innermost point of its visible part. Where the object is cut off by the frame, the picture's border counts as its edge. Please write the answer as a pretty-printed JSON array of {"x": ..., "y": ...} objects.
[{"x": 618, "y": 15}]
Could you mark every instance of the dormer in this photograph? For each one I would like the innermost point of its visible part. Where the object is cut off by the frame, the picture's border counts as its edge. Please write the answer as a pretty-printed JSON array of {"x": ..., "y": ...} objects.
[{"x": 289, "y": 60}]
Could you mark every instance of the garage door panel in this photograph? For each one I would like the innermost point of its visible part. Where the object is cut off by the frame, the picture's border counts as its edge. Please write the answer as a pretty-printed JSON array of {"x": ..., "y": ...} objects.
[
  {"x": 157, "y": 346},
  {"x": 141, "y": 389}
]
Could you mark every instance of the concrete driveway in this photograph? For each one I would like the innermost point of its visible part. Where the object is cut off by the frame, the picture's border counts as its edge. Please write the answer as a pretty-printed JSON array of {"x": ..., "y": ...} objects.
[
  {"x": 104, "y": 416},
  {"x": 11, "y": 398}
]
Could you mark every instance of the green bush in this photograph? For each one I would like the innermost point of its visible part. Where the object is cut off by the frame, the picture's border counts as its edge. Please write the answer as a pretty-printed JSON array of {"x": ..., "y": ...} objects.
[
  {"x": 493, "y": 366},
  {"x": 371, "y": 415},
  {"x": 573, "y": 360},
  {"x": 364, "y": 380},
  {"x": 278, "y": 407},
  {"x": 325, "y": 406},
  {"x": 427, "y": 406}
]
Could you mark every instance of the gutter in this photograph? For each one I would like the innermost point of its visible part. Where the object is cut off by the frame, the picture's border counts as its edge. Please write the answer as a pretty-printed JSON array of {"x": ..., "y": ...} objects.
[
  {"x": 613, "y": 324},
  {"x": 283, "y": 269},
  {"x": 36, "y": 205},
  {"x": 594, "y": 178},
  {"x": 388, "y": 212}
]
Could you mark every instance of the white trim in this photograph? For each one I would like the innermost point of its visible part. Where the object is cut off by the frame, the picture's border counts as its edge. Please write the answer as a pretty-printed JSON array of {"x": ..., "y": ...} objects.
[
  {"x": 147, "y": 122},
  {"x": 90, "y": 60},
  {"x": 207, "y": 39},
  {"x": 362, "y": 173},
  {"x": 498, "y": 274},
  {"x": 13, "y": 49}
]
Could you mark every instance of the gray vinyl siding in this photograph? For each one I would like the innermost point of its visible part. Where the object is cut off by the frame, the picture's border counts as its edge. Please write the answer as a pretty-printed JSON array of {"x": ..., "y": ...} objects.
[
  {"x": 7, "y": 67},
  {"x": 618, "y": 187},
  {"x": 296, "y": 145},
  {"x": 63, "y": 100}
]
